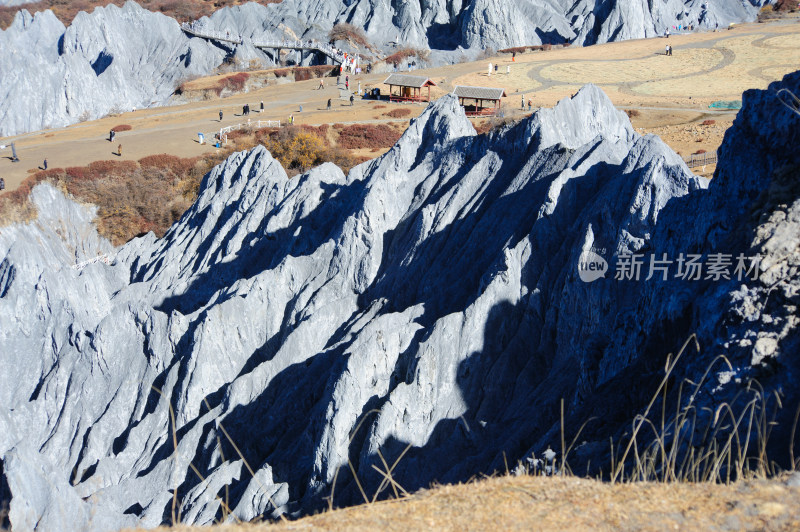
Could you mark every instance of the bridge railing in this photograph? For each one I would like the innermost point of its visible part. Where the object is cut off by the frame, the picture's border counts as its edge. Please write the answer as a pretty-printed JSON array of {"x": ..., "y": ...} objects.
[
  {"x": 209, "y": 33},
  {"x": 258, "y": 124},
  {"x": 101, "y": 258},
  {"x": 701, "y": 159},
  {"x": 325, "y": 48},
  {"x": 197, "y": 30}
]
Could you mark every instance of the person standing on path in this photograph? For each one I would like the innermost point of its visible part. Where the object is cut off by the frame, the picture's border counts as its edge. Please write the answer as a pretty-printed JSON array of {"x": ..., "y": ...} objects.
[
  {"x": 119, "y": 150},
  {"x": 523, "y": 102},
  {"x": 262, "y": 106},
  {"x": 666, "y": 49},
  {"x": 220, "y": 116},
  {"x": 490, "y": 70},
  {"x": 530, "y": 104},
  {"x": 2, "y": 184},
  {"x": 45, "y": 164},
  {"x": 352, "y": 99},
  {"x": 329, "y": 104}
]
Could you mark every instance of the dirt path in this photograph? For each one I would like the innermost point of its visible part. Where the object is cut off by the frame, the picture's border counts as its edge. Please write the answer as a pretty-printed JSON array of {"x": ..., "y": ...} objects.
[{"x": 667, "y": 91}]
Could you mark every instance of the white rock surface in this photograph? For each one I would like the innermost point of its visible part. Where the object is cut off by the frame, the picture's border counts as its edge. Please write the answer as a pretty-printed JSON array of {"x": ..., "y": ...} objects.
[{"x": 432, "y": 293}]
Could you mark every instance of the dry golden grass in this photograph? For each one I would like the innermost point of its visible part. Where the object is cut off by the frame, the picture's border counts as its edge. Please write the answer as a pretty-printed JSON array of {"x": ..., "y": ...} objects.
[{"x": 558, "y": 503}]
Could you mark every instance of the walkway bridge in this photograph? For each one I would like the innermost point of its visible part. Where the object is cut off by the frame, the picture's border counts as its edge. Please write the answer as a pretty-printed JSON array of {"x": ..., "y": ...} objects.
[
  {"x": 311, "y": 45},
  {"x": 196, "y": 30}
]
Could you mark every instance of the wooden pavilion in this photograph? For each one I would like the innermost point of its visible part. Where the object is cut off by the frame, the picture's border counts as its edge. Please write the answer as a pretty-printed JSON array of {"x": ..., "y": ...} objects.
[
  {"x": 410, "y": 88},
  {"x": 480, "y": 96}
]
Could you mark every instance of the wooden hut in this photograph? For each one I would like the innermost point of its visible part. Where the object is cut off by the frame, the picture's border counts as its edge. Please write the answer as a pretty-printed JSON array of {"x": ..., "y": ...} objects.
[
  {"x": 483, "y": 101},
  {"x": 410, "y": 88}
]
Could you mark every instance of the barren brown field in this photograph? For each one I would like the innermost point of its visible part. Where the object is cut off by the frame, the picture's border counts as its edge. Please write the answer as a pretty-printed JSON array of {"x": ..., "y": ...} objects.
[
  {"x": 670, "y": 94},
  {"x": 554, "y": 503}
]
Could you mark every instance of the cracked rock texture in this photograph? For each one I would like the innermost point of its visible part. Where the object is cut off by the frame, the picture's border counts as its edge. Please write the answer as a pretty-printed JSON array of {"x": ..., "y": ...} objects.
[
  {"x": 120, "y": 59},
  {"x": 432, "y": 293}
]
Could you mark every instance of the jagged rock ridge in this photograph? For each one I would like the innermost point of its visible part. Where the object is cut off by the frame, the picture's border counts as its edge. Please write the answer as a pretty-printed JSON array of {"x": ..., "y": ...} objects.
[
  {"x": 433, "y": 292},
  {"x": 119, "y": 59}
]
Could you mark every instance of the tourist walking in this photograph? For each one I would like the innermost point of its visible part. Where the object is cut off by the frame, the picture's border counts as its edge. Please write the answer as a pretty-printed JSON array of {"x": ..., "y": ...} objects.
[
  {"x": 111, "y": 134},
  {"x": 530, "y": 104},
  {"x": 2, "y": 184},
  {"x": 523, "y": 102},
  {"x": 329, "y": 104},
  {"x": 321, "y": 84},
  {"x": 352, "y": 99},
  {"x": 119, "y": 150},
  {"x": 262, "y": 106},
  {"x": 45, "y": 164},
  {"x": 220, "y": 116},
  {"x": 490, "y": 70}
]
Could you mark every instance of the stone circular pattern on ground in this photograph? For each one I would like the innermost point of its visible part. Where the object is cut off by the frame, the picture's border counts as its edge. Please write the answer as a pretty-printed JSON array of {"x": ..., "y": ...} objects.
[
  {"x": 736, "y": 77},
  {"x": 658, "y": 66}
]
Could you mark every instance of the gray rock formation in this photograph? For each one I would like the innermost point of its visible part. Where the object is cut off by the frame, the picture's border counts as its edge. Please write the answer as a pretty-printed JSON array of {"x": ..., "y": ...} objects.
[
  {"x": 433, "y": 293},
  {"x": 119, "y": 59},
  {"x": 113, "y": 60}
]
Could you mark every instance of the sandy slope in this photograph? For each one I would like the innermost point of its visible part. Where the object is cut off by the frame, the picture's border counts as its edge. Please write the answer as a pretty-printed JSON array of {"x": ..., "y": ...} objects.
[{"x": 668, "y": 91}]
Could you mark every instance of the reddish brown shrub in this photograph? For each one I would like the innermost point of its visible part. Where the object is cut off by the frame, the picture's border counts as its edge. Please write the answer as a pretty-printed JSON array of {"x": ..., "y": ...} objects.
[
  {"x": 368, "y": 136},
  {"x": 121, "y": 127},
  {"x": 708, "y": 122},
  {"x": 281, "y": 72},
  {"x": 177, "y": 165},
  {"x": 302, "y": 74},
  {"x": 398, "y": 113},
  {"x": 234, "y": 82},
  {"x": 405, "y": 53},
  {"x": 699, "y": 152},
  {"x": 516, "y": 50}
]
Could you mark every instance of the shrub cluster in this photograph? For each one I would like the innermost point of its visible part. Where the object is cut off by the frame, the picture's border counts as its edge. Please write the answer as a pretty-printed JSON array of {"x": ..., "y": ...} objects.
[
  {"x": 398, "y": 113},
  {"x": 368, "y": 136},
  {"x": 404, "y": 53},
  {"x": 132, "y": 197},
  {"x": 121, "y": 127},
  {"x": 347, "y": 32},
  {"x": 234, "y": 82},
  {"x": 533, "y": 48},
  {"x": 310, "y": 72}
]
